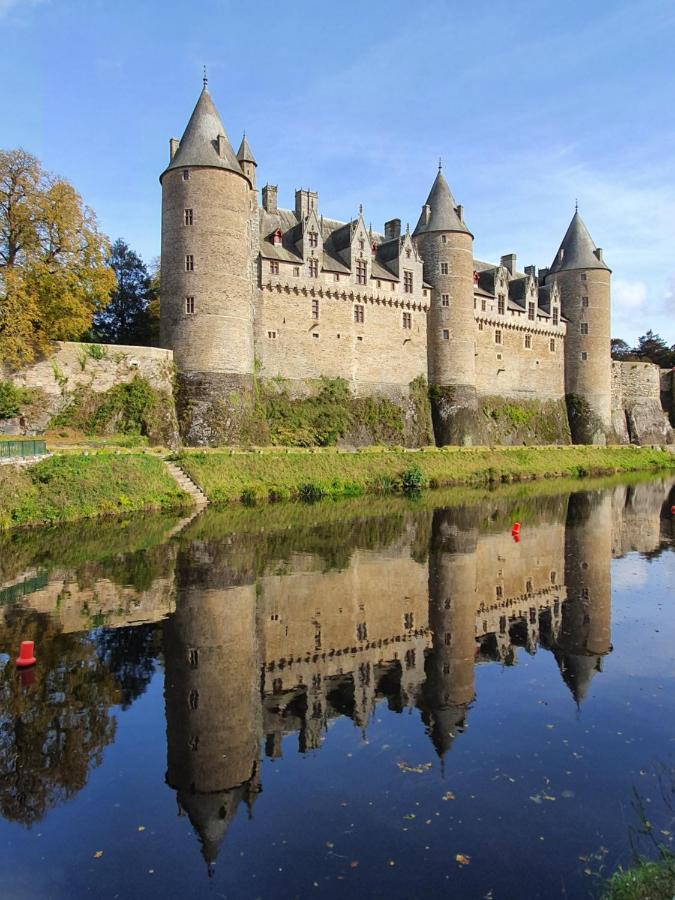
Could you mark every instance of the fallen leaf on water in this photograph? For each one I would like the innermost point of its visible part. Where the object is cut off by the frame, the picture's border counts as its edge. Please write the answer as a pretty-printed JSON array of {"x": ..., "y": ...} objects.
[
  {"x": 463, "y": 859},
  {"x": 409, "y": 816},
  {"x": 353, "y": 864},
  {"x": 548, "y": 797},
  {"x": 419, "y": 770},
  {"x": 448, "y": 796},
  {"x": 536, "y": 798},
  {"x": 98, "y": 854},
  {"x": 141, "y": 827}
]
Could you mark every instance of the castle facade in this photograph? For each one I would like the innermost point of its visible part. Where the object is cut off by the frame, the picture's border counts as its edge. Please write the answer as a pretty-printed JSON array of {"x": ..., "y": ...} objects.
[{"x": 251, "y": 290}]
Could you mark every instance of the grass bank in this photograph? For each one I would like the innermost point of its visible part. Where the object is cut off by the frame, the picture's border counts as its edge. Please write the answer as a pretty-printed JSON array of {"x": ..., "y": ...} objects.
[
  {"x": 74, "y": 486},
  {"x": 277, "y": 474},
  {"x": 645, "y": 881}
]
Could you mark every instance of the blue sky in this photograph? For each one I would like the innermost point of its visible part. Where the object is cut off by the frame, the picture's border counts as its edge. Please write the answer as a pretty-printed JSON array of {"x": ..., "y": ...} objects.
[{"x": 530, "y": 104}]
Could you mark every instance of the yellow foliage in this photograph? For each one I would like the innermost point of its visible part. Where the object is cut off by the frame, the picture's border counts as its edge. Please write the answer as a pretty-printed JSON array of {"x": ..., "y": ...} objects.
[{"x": 53, "y": 270}]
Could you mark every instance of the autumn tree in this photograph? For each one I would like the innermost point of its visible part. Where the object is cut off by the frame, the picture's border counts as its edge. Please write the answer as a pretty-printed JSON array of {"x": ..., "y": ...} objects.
[{"x": 53, "y": 271}]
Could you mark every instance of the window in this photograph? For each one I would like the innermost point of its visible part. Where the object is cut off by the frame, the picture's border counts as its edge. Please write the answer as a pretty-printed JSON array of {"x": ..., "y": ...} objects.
[
  {"x": 359, "y": 338},
  {"x": 444, "y": 239},
  {"x": 277, "y": 686},
  {"x": 499, "y": 590},
  {"x": 274, "y": 267},
  {"x": 313, "y": 268},
  {"x": 193, "y": 699},
  {"x": 189, "y": 305},
  {"x": 583, "y": 327},
  {"x": 362, "y": 632},
  {"x": 584, "y": 356},
  {"x": 186, "y": 174},
  {"x": 446, "y": 334},
  {"x": 528, "y": 341},
  {"x": 189, "y": 263},
  {"x": 447, "y": 638},
  {"x": 358, "y": 313},
  {"x": 410, "y": 659},
  {"x": 530, "y": 311},
  {"x": 583, "y": 276},
  {"x": 193, "y": 659},
  {"x": 553, "y": 576},
  {"x": 501, "y": 304},
  {"x": 444, "y": 268},
  {"x": 187, "y": 217},
  {"x": 379, "y": 284},
  {"x": 313, "y": 239},
  {"x": 361, "y": 245},
  {"x": 584, "y": 302},
  {"x": 272, "y": 335},
  {"x": 315, "y": 334},
  {"x": 315, "y": 309},
  {"x": 296, "y": 271},
  {"x": 498, "y": 337},
  {"x": 407, "y": 320},
  {"x": 276, "y": 238},
  {"x": 445, "y": 299},
  {"x": 408, "y": 253},
  {"x": 551, "y": 345},
  {"x": 337, "y": 276},
  {"x": 480, "y": 326},
  {"x": 407, "y": 282},
  {"x": 361, "y": 272},
  {"x": 483, "y": 305},
  {"x": 556, "y": 315},
  {"x": 408, "y": 620},
  {"x": 528, "y": 586}
]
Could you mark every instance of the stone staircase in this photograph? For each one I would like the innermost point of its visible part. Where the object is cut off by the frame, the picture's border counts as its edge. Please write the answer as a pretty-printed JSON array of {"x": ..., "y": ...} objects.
[{"x": 187, "y": 484}]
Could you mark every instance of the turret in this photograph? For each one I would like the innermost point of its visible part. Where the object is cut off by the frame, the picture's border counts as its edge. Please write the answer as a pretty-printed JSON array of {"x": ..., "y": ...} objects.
[
  {"x": 247, "y": 160},
  {"x": 583, "y": 278},
  {"x": 446, "y": 246},
  {"x": 207, "y": 284}
]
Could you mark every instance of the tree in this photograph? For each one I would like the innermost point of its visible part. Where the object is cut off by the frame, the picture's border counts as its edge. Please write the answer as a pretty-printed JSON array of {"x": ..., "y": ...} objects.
[
  {"x": 126, "y": 318},
  {"x": 53, "y": 271},
  {"x": 620, "y": 350},
  {"x": 652, "y": 348}
]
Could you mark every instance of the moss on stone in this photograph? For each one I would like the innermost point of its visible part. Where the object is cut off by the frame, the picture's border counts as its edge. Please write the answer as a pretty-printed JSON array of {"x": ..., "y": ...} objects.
[
  {"x": 586, "y": 427},
  {"x": 511, "y": 422}
]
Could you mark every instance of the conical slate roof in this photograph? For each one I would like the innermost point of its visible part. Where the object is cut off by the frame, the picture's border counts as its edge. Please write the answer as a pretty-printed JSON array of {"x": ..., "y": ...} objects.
[
  {"x": 443, "y": 215},
  {"x": 577, "y": 250},
  {"x": 244, "y": 153},
  {"x": 199, "y": 144}
]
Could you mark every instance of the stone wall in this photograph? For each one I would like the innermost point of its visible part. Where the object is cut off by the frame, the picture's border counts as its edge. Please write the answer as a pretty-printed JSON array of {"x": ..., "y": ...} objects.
[
  {"x": 75, "y": 368},
  {"x": 668, "y": 393},
  {"x": 637, "y": 414}
]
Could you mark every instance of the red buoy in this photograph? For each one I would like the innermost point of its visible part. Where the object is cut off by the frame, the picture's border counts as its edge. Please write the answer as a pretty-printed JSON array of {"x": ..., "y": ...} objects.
[
  {"x": 672, "y": 510},
  {"x": 516, "y": 537},
  {"x": 26, "y": 655},
  {"x": 516, "y": 527}
]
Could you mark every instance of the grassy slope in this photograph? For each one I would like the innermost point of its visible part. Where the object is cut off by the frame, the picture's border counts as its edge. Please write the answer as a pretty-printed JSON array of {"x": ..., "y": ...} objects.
[
  {"x": 225, "y": 475},
  {"x": 74, "y": 486},
  {"x": 645, "y": 881}
]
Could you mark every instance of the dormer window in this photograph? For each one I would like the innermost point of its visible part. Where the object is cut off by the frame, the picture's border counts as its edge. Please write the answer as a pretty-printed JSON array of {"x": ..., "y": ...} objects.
[
  {"x": 274, "y": 267},
  {"x": 556, "y": 315},
  {"x": 361, "y": 272},
  {"x": 530, "y": 311},
  {"x": 407, "y": 282},
  {"x": 501, "y": 304},
  {"x": 313, "y": 239},
  {"x": 276, "y": 238}
]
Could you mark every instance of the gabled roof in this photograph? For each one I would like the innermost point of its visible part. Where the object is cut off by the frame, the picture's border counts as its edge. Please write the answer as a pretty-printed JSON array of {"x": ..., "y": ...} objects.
[
  {"x": 443, "y": 210},
  {"x": 577, "y": 250},
  {"x": 199, "y": 144},
  {"x": 244, "y": 153}
]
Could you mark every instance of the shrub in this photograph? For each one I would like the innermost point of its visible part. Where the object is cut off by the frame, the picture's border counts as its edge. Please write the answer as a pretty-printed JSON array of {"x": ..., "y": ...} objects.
[
  {"x": 412, "y": 480},
  {"x": 310, "y": 492},
  {"x": 248, "y": 497},
  {"x": 12, "y": 399}
]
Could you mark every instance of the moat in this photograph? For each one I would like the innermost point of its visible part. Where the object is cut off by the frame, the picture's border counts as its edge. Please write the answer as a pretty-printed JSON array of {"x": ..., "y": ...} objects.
[{"x": 381, "y": 698}]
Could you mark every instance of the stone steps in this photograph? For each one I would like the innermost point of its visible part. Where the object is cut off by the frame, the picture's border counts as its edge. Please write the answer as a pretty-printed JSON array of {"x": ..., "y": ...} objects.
[{"x": 187, "y": 484}]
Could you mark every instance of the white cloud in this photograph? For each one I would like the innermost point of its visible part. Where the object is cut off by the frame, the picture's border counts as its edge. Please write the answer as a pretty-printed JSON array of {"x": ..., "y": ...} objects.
[{"x": 628, "y": 294}]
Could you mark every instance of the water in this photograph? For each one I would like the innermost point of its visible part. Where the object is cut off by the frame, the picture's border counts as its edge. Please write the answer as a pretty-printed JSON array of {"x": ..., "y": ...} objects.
[{"x": 380, "y": 698}]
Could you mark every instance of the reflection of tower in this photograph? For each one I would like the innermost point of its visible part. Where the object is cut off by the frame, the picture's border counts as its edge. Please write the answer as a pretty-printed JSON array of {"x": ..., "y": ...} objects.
[
  {"x": 212, "y": 694},
  {"x": 584, "y": 636},
  {"x": 449, "y": 686}
]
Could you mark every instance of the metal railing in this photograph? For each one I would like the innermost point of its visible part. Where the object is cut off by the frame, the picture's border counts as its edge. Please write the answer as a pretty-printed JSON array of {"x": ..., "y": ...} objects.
[{"x": 18, "y": 449}]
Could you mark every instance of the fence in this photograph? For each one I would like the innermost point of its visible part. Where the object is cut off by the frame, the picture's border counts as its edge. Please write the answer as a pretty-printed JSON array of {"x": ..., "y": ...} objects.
[{"x": 14, "y": 449}]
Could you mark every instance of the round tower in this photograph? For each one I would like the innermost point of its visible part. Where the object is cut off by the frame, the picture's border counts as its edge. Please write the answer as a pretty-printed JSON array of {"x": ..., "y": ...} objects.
[
  {"x": 206, "y": 299},
  {"x": 446, "y": 246},
  {"x": 584, "y": 281}
]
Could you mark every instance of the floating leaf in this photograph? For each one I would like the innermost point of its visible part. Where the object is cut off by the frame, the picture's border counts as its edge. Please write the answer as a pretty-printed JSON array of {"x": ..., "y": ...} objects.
[
  {"x": 98, "y": 854},
  {"x": 463, "y": 859},
  {"x": 448, "y": 796}
]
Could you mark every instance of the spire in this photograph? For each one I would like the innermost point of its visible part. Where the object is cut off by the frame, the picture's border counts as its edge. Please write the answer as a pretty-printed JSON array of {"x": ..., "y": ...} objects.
[
  {"x": 442, "y": 212},
  {"x": 205, "y": 79},
  {"x": 577, "y": 250},
  {"x": 205, "y": 142},
  {"x": 244, "y": 153}
]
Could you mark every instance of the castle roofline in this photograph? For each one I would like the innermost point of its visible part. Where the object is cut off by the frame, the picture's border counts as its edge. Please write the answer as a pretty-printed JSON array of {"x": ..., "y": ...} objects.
[
  {"x": 205, "y": 142},
  {"x": 440, "y": 212},
  {"x": 577, "y": 250}
]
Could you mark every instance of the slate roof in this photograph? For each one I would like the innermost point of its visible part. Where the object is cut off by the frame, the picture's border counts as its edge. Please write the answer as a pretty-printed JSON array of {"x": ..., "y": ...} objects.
[
  {"x": 244, "y": 153},
  {"x": 443, "y": 208},
  {"x": 578, "y": 249},
  {"x": 199, "y": 144}
]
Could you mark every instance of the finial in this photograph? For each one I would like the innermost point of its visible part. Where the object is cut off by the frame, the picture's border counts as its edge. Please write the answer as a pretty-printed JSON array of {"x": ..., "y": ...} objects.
[
  {"x": 360, "y": 209},
  {"x": 576, "y": 205},
  {"x": 440, "y": 163},
  {"x": 205, "y": 78}
]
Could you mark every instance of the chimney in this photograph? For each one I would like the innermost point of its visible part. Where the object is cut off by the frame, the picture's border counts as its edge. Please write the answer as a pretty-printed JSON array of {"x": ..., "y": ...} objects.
[
  {"x": 598, "y": 253},
  {"x": 392, "y": 229},
  {"x": 459, "y": 209},
  {"x": 426, "y": 213},
  {"x": 222, "y": 144},
  {"x": 542, "y": 275},
  {"x": 509, "y": 262},
  {"x": 269, "y": 198},
  {"x": 174, "y": 144},
  {"x": 531, "y": 271},
  {"x": 305, "y": 202}
]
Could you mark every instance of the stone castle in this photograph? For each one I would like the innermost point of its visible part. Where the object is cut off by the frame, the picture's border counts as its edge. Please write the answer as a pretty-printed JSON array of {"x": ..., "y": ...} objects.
[{"x": 253, "y": 291}]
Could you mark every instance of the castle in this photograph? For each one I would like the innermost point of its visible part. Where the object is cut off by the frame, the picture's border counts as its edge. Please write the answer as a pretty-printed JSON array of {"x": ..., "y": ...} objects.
[{"x": 254, "y": 291}]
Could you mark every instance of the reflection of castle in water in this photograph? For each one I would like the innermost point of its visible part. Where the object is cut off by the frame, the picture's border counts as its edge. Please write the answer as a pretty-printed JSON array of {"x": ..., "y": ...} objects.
[{"x": 267, "y": 649}]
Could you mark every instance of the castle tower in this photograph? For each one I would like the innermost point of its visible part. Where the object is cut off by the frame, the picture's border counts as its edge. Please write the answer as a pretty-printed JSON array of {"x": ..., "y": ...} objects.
[
  {"x": 585, "y": 636},
  {"x": 247, "y": 160},
  {"x": 449, "y": 687},
  {"x": 207, "y": 289},
  {"x": 446, "y": 246},
  {"x": 584, "y": 281}
]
